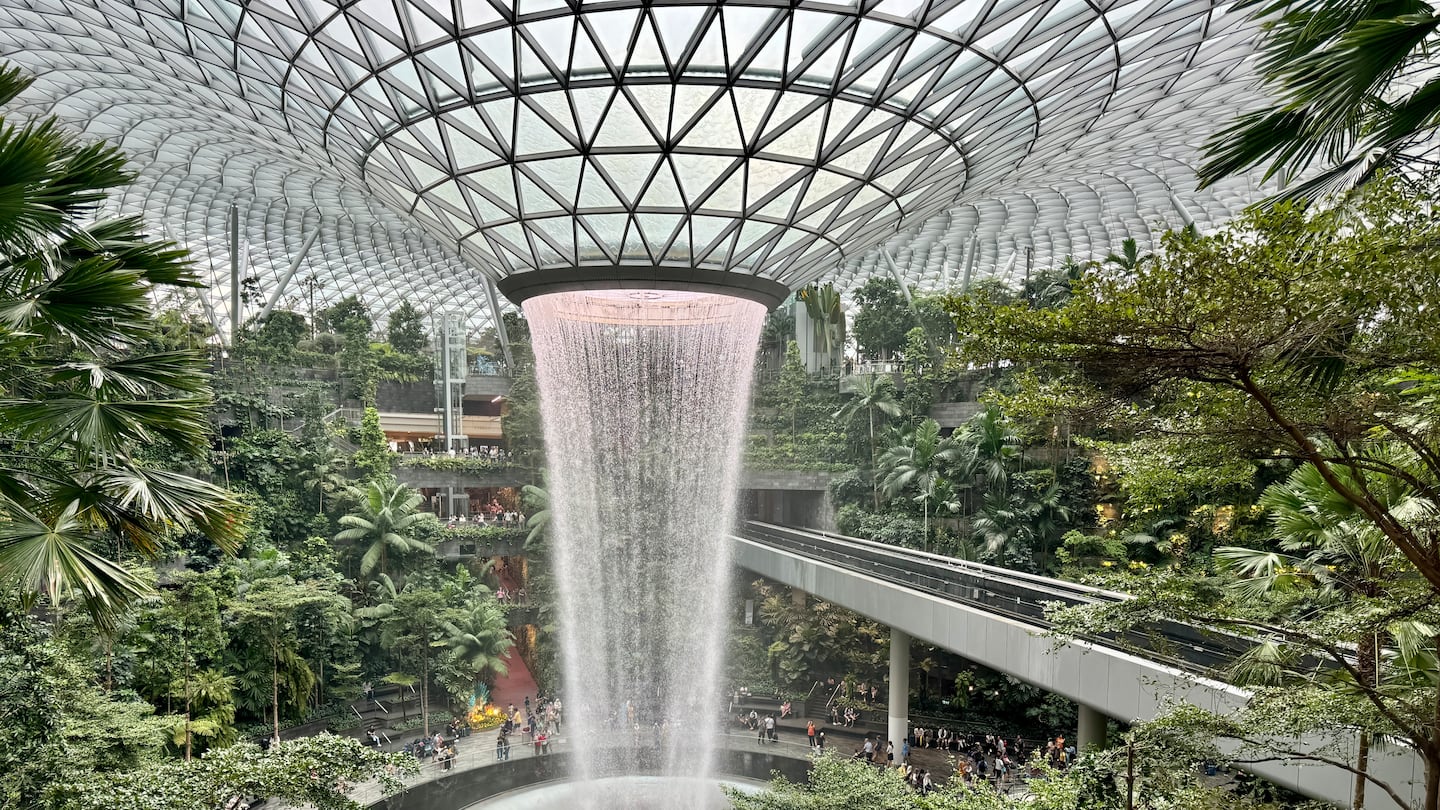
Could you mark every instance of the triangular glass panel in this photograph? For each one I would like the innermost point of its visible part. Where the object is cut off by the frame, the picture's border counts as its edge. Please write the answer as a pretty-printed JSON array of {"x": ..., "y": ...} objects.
[
  {"x": 709, "y": 56},
  {"x": 663, "y": 191},
  {"x": 467, "y": 153},
  {"x": 634, "y": 247},
  {"x": 534, "y": 135},
  {"x": 533, "y": 69},
  {"x": 423, "y": 29},
  {"x": 698, "y": 172},
  {"x": 558, "y": 234},
  {"x": 752, "y": 104},
  {"x": 765, "y": 176},
  {"x": 705, "y": 231},
  {"x": 590, "y": 104},
  {"x": 585, "y": 60},
  {"x": 769, "y": 62},
  {"x": 657, "y": 230},
  {"x": 629, "y": 174},
  {"x": 623, "y": 127},
  {"x": 781, "y": 207},
  {"x": 654, "y": 101},
  {"x": 801, "y": 141},
  {"x": 677, "y": 25},
  {"x": 562, "y": 175},
  {"x": 613, "y": 29},
  {"x": 646, "y": 55},
  {"x": 588, "y": 250},
  {"x": 498, "y": 184},
  {"x": 595, "y": 192},
  {"x": 730, "y": 196},
  {"x": 742, "y": 25},
  {"x": 500, "y": 115},
  {"x": 717, "y": 129},
  {"x": 689, "y": 99}
]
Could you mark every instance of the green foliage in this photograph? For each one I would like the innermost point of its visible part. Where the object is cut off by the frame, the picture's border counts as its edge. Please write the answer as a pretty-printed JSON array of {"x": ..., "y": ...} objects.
[
  {"x": 1286, "y": 325},
  {"x": 385, "y": 521},
  {"x": 57, "y": 724},
  {"x": 83, "y": 384},
  {"x": 312, "y": 771},
  {"x": 405, "y": 329},
  {"x": 883, "y": 318},
  {"x": 827, "y": 316},
  {"x": 470, "y": 464},
  {"x": 374, "y": 458},
  {"x": 273, "y": 339},
  {"x": 1342, "y": 76}
]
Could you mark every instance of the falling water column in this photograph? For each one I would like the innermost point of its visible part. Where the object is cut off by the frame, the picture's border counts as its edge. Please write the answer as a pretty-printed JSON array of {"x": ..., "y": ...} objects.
[{"x": 644, "y": 397}]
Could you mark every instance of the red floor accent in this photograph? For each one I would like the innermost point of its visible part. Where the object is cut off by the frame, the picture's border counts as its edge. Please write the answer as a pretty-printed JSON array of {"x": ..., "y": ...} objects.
[{"x": 515, "y": 685}]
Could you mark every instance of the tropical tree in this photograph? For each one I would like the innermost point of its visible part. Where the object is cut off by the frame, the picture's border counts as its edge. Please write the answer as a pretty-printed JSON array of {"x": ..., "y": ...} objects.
[
  {"x": 411, "y": 632},
  {"x": 1353, "y": 96},
  {"x": 1329, "y": 552},
  {"x": 324, "y": 473},
  {"x": 537, "y": 504},
  {"x": 478, "y": 640},
  {"x": 385, "y": 521},
  {"x": 996, "y": 447},
  {"x": 920, "y": 463},
  {"x": 874, "y": 396},
  {"x": 1287, "y": 325},
  {"x": 83, "y": 390},
  {"x": 1129, "y": 259},
  {"x": 405, "y": 329}
]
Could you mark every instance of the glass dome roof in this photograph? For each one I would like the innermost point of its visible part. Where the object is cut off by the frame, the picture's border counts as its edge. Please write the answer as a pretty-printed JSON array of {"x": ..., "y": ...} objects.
[{"x": 436, "y": 144}]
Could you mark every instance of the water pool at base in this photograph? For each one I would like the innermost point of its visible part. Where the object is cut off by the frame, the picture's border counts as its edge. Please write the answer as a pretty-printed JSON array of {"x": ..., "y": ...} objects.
[{"x": 618, "y": 793}]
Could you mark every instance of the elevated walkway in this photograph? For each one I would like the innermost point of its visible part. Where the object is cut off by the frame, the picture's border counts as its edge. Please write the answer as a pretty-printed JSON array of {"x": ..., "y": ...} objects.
[{"x": 995, "y": 617}]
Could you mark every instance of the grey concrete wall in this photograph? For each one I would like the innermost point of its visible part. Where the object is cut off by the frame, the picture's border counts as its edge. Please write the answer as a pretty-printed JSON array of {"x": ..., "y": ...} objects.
[
  {"x": 953, "y": 414},
  {"x": 416, "y": 397},
  {"x": 1115, "y": 683}
]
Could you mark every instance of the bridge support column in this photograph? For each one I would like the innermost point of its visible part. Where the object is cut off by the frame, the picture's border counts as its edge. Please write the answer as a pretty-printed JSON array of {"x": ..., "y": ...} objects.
[
  {"x": 899, "y": 697},
  {"x": 1091, "y": 732}
]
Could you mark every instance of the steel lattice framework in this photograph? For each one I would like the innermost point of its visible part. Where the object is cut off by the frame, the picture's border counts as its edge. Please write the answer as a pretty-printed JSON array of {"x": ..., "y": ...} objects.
[{"x": 434, "y": 144}]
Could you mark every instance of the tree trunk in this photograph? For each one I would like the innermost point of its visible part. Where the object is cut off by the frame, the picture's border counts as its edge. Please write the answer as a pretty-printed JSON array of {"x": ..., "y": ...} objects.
[
  {"x": 874, "y": 473},
  {"x": 275, "y": 690},
  {"x": 186, "y": 645},
  {"x": 425, "y": 693}
]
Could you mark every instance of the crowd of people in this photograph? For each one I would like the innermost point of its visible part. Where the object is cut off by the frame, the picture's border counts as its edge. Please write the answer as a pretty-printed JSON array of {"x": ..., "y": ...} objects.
[{"x": 537, "y": 724}]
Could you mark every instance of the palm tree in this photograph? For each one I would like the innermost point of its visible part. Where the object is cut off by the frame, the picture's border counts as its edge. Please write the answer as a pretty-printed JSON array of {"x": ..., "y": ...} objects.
[
  {"x": 920, "y": 462},
  {"x": 385, "y": 521},
  {"x": 874, "y": 395},
  {"x": 478, "y": 641},
  {"x": 325, "y": 473},
  {"x": 1327, "y": 547},
  {"x": 1352, "y": 96},
  {"x": 996, "y": 447},
  {"x": 1129, "y": 259},
  {"x": 83, "y": 384},
  {"x": 537, "y": 502}
]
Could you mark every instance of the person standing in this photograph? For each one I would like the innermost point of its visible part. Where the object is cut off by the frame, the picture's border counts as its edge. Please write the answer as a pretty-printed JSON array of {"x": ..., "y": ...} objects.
[
  {"x": 810, "y": 733},
  {"x": 770, "y": 728},
  {"x": 820, "y": 740},
  {"x": 889, "y": 753}
]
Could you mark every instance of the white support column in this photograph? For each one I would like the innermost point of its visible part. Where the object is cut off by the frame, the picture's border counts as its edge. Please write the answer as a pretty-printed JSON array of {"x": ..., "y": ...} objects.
[
  {"x": 1092, "y": 728},
  {"x": 899, "y": 697}
]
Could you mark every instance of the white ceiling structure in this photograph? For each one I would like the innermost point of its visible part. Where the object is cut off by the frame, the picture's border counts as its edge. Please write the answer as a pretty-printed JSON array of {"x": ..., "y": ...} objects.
[{"x": 421, "y": 149}]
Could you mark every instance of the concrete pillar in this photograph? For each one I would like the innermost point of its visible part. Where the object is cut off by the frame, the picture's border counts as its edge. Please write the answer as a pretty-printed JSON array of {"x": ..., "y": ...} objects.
[
  {"x": 899, "y": 697},
  {"x": 1091, "y": 732}
]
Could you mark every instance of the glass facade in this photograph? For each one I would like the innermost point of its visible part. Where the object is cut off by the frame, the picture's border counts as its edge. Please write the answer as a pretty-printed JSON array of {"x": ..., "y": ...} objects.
[{"x": 434, "y": 144}]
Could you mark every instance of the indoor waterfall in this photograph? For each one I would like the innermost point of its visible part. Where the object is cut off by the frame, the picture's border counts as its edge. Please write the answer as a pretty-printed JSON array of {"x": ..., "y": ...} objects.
[{"x": 644, "y": 397}]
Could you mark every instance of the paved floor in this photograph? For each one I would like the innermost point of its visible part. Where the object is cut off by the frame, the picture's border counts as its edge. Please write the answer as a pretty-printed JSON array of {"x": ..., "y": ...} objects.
[{"x": 515, "y": 684}]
